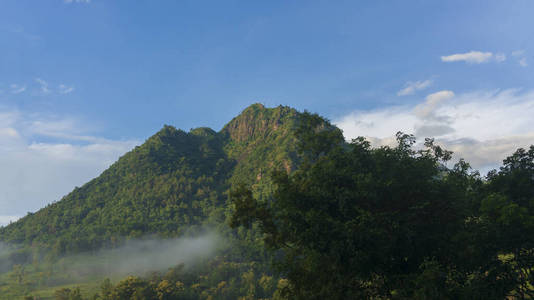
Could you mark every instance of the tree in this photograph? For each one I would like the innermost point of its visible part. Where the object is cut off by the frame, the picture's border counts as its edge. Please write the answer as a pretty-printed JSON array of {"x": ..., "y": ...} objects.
[
  {"x": 356, "y": 222},
  {"x": 133, "y": 288},
  {"x": 508, "y": 213},
  {"x": 68, "y": 294}
]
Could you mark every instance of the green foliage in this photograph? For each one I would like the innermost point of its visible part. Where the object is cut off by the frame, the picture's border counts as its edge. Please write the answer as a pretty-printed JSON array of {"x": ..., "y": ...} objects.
[
  {"x": 355, "y": 222},
  {"x": 174, "y": 184},
  {"x": 173, "y": 181},
  {"x": 68, "y": 294},
  {"x": 507, "y": 212},
  {"x": 339, "y": 220},
  {"x": 218, "y": 279}
]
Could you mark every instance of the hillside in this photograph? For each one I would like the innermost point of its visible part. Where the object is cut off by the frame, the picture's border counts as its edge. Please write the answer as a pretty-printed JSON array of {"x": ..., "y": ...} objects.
[
  {"x": 204, "y": 215},
  {"x": 174, "y": 180},
  {"x": 176, "y": 183}
]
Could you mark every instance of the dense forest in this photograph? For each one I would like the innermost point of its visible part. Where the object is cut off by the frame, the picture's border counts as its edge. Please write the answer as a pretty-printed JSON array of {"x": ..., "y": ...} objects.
[{"x": 298, "y": 213}]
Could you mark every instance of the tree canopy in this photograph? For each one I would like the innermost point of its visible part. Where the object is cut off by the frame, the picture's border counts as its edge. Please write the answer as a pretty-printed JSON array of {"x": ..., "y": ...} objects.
[{"x": 394, "y": 222}]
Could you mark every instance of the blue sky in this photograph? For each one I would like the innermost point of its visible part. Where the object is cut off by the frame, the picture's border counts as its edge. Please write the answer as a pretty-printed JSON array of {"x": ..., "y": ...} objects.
[{"x": 81, "y": 82}]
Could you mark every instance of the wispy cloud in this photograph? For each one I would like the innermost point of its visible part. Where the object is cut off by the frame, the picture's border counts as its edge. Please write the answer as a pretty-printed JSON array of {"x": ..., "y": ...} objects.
[
  {"x": 43, "y": 84},
  {"x": 144, "y": 255},
  {"x": 5, "y": 220},
  {"x": 412, "y": 86},
  {"x": 17, "y": 89},
  {"x": 474, "y": 57},
  {"x": 21, "y": 32},
  {"x": 520, "y": 56},
  {"x": 43, "y": 157},
  {"x": 76, "y": 1},
  {"x": 483, "y": 127},
  {"x": 44, "y": 88},
  {"x": 500, "y": 57},
  {"x": 426, "y": 110},
  {"x": 64, "y": 89}
]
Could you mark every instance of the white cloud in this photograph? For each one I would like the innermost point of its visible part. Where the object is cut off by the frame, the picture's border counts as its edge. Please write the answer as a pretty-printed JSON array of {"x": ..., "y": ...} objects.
[
  {"x": 411, "y": 87},
  {"x": 76, "y": 1},
  {"x": 474, "y": 57},
  {"x": 426, "y": 110},
  {"x": 28, "y": 36},
  {"x": 5, "y": 220},
  {"x": 43, "y": 84},
  {"x": 63, "y": 89},
  {"x": 500, "y": 57},
  {"x": 44, "y": 158},
  {"x": 483, "y": 127},
  {"x": 17, "y": 89},
  {"x": 520, "y": 56},
  {"x": 8, "y": 132},
  {"x": 66, "y": 129},
  {"x": 43, "y": 88}
]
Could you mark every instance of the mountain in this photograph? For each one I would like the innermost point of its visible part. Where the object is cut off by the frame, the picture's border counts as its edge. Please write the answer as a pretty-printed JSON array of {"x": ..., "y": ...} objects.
[
  {"x": 353, "y": 221},
  {"x": 173, "y": 182}
]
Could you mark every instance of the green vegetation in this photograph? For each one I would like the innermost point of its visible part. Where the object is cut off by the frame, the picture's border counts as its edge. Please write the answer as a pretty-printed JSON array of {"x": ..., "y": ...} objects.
[
  {"x": 360, "y": 223},
  {"x": 322, "y": 219},
  {"x": 176, "y": 184}
]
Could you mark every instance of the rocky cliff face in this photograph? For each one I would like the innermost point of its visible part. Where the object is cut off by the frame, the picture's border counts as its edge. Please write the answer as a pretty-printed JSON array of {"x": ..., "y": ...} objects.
[
  {"x": 261, "y": 140},
  {"x": 258, "y": 122}
]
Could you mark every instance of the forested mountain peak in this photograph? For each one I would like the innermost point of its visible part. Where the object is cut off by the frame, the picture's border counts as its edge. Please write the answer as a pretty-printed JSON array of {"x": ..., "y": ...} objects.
[
  {"x": 174, "y": 184},
  {"x": 175, "y": 179}
]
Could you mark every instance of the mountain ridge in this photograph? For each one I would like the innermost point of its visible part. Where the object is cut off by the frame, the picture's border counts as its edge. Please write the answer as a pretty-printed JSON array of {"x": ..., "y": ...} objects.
[{"x": 174, "y": 180}]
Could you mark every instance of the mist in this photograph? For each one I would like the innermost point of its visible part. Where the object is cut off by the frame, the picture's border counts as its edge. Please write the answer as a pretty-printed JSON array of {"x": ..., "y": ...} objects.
[
  {"x": 5, "y": 259},
  {"x": 135, "y": 257},
  {"x": 4, "y": 249},
  {"x": 142, "y": 256}
]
